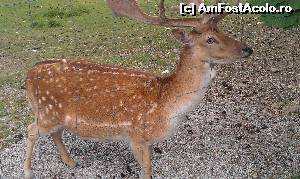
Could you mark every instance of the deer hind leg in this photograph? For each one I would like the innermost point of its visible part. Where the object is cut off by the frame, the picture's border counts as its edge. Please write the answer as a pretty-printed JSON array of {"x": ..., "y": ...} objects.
[
  {"x": 65, "y": 156},
  {"x": 142, "y": 153},
  {"x": 32, "y": 137}
]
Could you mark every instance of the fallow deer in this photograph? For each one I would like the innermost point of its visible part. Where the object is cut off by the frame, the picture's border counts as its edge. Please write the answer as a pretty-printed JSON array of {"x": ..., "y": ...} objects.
[{"x": 102, "y": 101}]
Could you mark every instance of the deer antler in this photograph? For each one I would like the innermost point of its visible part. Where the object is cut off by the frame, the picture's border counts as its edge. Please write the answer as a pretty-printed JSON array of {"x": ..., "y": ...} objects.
[
  {"x": 130, "y": 9},
  {"x": 162, "y": 10}
]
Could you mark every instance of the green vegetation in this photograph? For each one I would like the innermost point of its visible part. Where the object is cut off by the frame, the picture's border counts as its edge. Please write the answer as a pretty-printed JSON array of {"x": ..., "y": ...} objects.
[
  {"x": 285, "y": 20},
  {"x": 80, "y": 28},
  {"x": 295, "y": 177}
]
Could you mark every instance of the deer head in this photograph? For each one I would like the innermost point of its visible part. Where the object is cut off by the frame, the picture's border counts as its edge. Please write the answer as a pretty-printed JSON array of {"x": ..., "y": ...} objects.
[{"x": 206, "y": 40}]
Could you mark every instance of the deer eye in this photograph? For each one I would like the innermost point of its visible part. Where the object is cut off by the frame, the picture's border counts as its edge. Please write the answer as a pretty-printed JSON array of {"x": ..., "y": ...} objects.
[{"x": 211, "y": 40}]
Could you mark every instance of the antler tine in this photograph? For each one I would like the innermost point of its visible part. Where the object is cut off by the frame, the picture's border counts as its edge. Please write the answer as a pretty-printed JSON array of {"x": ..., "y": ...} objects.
[
  {"x": 130, "y": 9},
  {"x": 162, "y": 10}
]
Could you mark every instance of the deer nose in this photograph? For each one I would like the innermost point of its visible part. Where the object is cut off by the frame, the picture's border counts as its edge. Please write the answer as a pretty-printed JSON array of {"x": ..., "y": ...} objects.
[{"x": 247, "y": 51}]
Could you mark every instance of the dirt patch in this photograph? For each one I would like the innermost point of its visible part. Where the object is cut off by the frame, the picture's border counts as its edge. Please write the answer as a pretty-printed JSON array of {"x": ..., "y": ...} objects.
[{"x": 9, "y": 65}]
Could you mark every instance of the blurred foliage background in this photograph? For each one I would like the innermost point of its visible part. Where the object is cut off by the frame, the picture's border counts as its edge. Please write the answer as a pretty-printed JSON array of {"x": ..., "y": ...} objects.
[{"x": 285, "y": 20}]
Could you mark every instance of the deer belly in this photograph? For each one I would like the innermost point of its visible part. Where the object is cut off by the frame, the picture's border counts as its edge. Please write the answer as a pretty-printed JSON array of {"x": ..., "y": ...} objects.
[{"x": 97, "y": 129}]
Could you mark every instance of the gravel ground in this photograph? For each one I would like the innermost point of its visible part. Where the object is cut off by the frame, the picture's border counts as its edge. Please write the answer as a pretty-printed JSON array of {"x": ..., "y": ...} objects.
[{"x": 246, "y": 127}]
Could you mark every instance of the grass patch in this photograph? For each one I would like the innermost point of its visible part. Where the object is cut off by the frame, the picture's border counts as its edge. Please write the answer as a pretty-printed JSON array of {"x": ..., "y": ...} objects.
[
  {"x": 56, "y": 16},
  {"x": 66, "y": 12},
  {"x": 295, "y": 177},
  {"x": 53, "y": 23},
  {"x": 83, "y": 28},
  {"x": 2, "y": 108}
]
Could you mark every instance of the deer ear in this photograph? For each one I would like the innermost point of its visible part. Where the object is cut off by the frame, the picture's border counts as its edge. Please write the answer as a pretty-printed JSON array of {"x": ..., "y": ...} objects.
[{"x": 181, "y": 36}]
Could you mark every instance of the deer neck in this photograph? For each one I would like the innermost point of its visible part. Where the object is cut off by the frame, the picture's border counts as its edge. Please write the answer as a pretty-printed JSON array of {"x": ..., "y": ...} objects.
[{"x": 185, "y": 89}]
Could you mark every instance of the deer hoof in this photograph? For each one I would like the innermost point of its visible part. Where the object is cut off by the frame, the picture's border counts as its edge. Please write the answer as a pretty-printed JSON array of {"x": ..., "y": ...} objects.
[
  {"x": 143, "y": 175},
  {"x": 28, "y": 174},
  {"x": 71, "y": 163}
]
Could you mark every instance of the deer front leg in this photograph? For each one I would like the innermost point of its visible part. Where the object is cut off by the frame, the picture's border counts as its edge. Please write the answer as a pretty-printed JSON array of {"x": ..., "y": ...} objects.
[
  {"x": 142, "y": 153},
  {"x": 65, "y": 156},
  {"x": 32, "y": 137}
]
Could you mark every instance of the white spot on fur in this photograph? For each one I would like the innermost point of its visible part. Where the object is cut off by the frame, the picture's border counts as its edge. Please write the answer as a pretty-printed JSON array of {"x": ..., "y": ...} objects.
[
  {"x": 139, "y": 117},
  {"x": 107, "y": 124},
  {"x": 68, "y": 119},
  {"x": 113, "y": 73},
  {"x": 137, "y": 75},
  {"x": 154, "y": 106}
]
